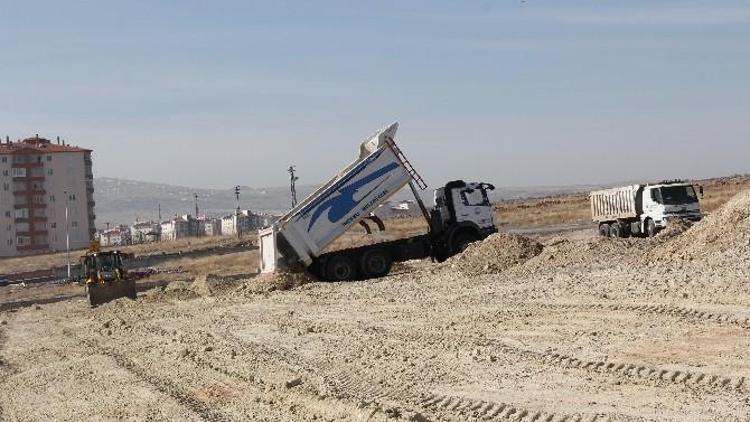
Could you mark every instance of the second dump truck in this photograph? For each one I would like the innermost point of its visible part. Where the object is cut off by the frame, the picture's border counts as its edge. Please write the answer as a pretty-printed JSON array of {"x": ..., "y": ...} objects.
[
  {"x": 643, "y": 209},
  {"x": 462, "y": 214}
]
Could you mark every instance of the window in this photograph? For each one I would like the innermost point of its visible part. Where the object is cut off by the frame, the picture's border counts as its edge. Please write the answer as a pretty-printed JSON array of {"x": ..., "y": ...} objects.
[
  {"x": 53, "y": 225},
  {"x": 49, "y": 158},
  {"x": 23, "y": 240},
  {"x": 49, "y": 172},
  {"x": 10, "y": 227},
  {"x": 18, "y": 172},
  {"x": 52, "y": 198},
  {"x": 5, "y": 159},
  {"x": 74, "y": 224},
  {"x": 474, "y": 197},
  {"x": 22, "y": 213},
  {"x": 7, "y": 214},
  {"x": 38, "y": 158},
  {"x": 6, "y": 186},
  {"x": 5, "y": 172}
]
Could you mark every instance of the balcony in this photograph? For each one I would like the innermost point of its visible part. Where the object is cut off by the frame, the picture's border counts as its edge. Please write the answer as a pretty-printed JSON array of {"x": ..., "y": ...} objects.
[
  {"x": 30, "y": 205},
  {"x": 35, "y": 247},
  {"x": 30, "y": 192},
  {"x": 37, "y": 218},
  {"x": 29, "y": 165},
  {"x": 35, "y": 232},
  {"x": 28, "y": 178}
]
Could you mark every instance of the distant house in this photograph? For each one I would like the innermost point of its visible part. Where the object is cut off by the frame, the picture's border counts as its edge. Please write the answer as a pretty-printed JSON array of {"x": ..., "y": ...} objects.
[
  {"x": 145, "y": 232},
  {"x": 116, "y": 236},
  {"x": 246, "y": 221},
  {"x": 211, "y": 226},
  {"x": 178, "y": 227}
]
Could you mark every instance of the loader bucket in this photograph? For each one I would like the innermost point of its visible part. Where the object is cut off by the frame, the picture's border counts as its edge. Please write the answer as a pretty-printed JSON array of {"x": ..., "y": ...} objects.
[{"x": 99, "y": 293}]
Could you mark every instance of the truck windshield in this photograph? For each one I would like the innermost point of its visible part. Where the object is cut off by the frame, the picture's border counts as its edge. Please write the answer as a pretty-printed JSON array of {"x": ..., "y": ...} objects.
[
  {"x": 676, "y": 195},
  {"x": 474, "y": 197}
]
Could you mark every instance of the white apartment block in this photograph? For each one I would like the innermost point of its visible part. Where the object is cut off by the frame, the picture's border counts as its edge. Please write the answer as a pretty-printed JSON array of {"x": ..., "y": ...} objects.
[
  {"x": 176, "y": 228},
  {"x": 145, "y": 232},
  {"x": 38, "y": 178}
]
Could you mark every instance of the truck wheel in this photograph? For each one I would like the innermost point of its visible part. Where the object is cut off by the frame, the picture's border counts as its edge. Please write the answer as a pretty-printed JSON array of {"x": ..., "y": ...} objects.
[
  {"x": 651, "y": 229},
  {"x": 604, "y": 230},
  {"x": 615, "y": 230},
  {"x": 375, "y": 263},
  {"x": 341, "y": 268},
  {"x": 461, "y": 241}
]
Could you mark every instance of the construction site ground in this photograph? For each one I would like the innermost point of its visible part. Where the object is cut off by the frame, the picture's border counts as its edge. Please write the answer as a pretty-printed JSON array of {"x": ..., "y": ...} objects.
[{"x": 550, "y": 326}]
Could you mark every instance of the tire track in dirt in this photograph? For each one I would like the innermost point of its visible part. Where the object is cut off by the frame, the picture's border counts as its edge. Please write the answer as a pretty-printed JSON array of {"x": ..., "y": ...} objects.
[
  {"x": 162, "y": 385},
  {"x": 644, "y": 372},
  {"x": 668, "y": 310},
  {"x": 488, "y": 410},
  {"x": 345, "y": 384},
  {"x": 635, "y": 372},
  {"x": 353, "y": 385}
]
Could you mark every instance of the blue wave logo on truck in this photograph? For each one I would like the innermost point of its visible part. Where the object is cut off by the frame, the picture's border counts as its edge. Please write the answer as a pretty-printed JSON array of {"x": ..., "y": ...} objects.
[{"x": 341, "y": 204}]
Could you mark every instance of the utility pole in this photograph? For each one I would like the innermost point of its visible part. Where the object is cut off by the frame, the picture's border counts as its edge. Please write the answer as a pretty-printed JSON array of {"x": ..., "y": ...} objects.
[
  {"x": 197, "y": 221},
  {"x": 67, "y": 233},
  {"x": 292, "y": 181},
  {"x": 237, "y": 226},
  {"x": 159, "y": 222},
  {"x": 107, "y": 223}
]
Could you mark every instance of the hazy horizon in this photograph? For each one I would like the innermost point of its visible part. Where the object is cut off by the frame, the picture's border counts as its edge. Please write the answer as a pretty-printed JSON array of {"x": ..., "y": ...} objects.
[{"x": 520, "y": 94}]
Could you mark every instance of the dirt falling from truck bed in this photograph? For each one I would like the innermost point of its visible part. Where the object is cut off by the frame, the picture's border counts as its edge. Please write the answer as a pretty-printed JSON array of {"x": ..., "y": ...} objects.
[{"x": 494, "y": 254}]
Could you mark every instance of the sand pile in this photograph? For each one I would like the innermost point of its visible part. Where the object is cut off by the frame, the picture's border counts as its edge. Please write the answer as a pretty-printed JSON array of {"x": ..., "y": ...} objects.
[
  {"x": 176, "y": 290},
  {"x": 673, "y": 229},
  {"x": 721, "y": 238},
  {"x": 266, "y": 283},
  {"x": 495, "y": 254},
  {"x": 215, "y": 285}
]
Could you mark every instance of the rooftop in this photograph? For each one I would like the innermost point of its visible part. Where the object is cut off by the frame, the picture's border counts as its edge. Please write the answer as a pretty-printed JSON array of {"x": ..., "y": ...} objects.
[{"x": 37, "y": 145}]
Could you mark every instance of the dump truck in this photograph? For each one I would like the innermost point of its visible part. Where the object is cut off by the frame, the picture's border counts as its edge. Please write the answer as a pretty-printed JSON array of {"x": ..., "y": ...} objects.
[
  {"x": 644, "y": 209},
  {"x": 105, "y": 276},
  {"x": 462, "y": 214}
]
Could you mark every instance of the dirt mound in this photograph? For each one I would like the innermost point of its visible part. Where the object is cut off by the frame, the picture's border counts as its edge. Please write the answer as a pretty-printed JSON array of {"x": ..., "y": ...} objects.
[
  {"x": 495, "y": 254},
  {"x": 265, "y": 283},
  {"x": 214, "y": 285},
  {"x": 673, "y": 229},
  {"x": 721, "y": 238},
  {"x": 176, "y": 290}
]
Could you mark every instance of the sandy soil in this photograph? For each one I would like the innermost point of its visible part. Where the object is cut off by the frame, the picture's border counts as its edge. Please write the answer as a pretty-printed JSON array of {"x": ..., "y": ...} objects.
[{"x": 574, "y": 328}]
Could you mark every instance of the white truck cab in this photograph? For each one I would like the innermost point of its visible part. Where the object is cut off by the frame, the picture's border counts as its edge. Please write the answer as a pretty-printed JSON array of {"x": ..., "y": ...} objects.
[
  {"x": 460, "y": 202},
  {"x": 663, "y": 203}
]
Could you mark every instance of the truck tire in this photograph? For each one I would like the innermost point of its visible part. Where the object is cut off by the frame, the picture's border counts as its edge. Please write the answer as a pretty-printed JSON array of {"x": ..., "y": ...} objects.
[
  {"x": 341, "y": 268},
  {"x": 461, "y": 241},
  {"x": 615, "y": 230},
  {"x": 651, "y": 229},
  {"x": 375, "y": 263},
  {"x": 604, "y": 230}
]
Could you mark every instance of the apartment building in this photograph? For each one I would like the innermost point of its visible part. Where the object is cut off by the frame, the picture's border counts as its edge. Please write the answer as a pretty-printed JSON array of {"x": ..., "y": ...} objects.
[
  {"x": 246, "y": 222},
  {"x": 117, "y": 236},
  {"x": 145, "y": 232},
  {"x": 38, "y": 179}
]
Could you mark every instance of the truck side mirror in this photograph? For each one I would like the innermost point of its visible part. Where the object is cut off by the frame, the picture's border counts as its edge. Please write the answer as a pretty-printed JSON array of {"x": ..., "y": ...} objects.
[{"x": 700, "y": 190}]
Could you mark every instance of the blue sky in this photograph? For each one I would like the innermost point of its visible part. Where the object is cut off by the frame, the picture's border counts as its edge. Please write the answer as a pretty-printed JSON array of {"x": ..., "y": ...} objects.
[{"x": 214, "y": 94}]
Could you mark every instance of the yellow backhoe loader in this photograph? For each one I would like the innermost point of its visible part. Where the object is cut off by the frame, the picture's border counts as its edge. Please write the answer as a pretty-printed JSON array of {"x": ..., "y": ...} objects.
[{"x": 105, "y": 276}]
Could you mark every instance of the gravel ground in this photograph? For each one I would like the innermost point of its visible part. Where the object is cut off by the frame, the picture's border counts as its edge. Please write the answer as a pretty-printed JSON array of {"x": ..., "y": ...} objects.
[{"x": 575, "y": 328}]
